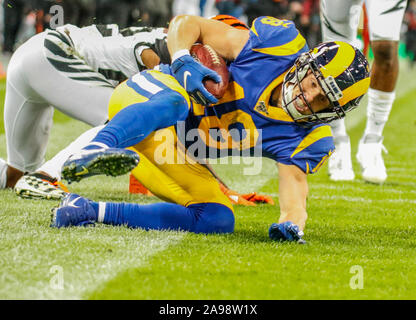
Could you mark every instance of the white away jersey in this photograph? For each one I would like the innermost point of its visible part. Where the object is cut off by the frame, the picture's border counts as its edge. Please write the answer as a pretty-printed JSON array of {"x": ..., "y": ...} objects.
[{"x": 113, "y": 53}]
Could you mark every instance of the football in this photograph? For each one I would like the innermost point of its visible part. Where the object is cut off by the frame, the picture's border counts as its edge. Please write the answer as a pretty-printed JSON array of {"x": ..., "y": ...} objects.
[{"x": 207, "y": 56}]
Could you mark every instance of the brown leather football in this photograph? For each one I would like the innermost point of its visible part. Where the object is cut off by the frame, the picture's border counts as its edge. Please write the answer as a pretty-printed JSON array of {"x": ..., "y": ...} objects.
[{"x": 207, "y": 56}]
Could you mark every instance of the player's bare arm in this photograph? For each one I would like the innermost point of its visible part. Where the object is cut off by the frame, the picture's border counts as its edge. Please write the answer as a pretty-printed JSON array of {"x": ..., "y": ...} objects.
[
  {"x": 293, "y": 192},
  {"x": 185, "y": 30},
  {"x": 150, "y": 58}
]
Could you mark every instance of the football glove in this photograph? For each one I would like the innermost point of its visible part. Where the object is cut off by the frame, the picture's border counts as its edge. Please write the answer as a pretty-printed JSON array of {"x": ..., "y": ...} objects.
[
  {"x": 286, "y": 231},
  {"x": 190, "y": 75},
  {"x": 258, "y": 198},
  {"x": 249, "y": 199}
]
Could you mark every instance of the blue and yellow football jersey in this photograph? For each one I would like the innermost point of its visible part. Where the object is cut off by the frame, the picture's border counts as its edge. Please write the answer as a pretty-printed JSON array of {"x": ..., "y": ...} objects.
[
  {"x": 243, "y": 122},
  {"x": 243, "y": 119}
]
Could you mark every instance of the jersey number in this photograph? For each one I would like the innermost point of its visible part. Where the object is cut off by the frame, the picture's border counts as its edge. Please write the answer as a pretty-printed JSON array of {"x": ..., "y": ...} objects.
[
  {"x": 107, "y": 30},
  {"x": 275, "y": 22},
  {"x": 234, "y": 130}
]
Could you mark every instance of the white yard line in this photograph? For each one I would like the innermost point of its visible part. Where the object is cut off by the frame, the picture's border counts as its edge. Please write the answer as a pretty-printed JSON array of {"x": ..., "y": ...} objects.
[
  {"x": 361, "y": 199},
  {"x": 80, "y": 277},
  {"x": 316, "y": 186},
  {"x": 355, "y": 199}
]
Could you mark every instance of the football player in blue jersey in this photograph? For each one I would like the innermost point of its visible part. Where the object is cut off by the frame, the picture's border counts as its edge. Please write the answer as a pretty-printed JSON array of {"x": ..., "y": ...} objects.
[{"x": 280, "y": 98}]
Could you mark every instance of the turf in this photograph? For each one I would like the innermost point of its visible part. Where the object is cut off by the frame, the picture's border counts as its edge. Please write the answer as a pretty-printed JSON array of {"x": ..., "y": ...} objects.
[{"x": 350, "y": 224}]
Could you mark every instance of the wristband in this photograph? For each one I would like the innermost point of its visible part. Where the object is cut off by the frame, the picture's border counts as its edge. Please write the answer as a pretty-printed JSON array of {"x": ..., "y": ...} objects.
[{"x": 180, "y": 53}]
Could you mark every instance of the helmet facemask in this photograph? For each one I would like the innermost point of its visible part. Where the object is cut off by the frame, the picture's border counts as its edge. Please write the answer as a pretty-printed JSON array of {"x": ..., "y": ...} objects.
[{"x": 304, "y": 64}]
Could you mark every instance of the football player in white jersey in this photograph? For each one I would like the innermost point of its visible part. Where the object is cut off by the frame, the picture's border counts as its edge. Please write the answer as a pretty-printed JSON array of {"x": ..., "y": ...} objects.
[
  {"x": 339, "y": 20},
  {"x": 74, "y": 70}
]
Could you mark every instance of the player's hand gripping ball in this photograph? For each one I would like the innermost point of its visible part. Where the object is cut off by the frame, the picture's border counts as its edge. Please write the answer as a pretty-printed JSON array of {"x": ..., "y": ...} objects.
[{"x": 207, "y": 56}]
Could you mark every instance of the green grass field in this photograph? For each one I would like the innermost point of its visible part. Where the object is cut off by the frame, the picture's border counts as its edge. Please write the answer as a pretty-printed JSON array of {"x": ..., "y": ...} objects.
[{"x": 350, "y": 224}]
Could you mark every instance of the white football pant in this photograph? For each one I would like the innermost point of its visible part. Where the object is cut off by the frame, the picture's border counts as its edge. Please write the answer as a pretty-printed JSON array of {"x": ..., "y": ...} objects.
[
  {"x": 34, "y": 88},
  {"x": 53, "y": 166},
  {"x": 340, "y": 19}
]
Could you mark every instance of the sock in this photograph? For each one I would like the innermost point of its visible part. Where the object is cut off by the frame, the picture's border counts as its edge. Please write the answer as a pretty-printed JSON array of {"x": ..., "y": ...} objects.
[
  {"x": 198, "y": 218},
  {"x": 158, "y": 216},
  {"x": 372, "y": 138},
  {"x": 378, "y": 111},
  {"x": 99, "y": 208},
  {"x": 341, "y": 139},
  {"x": 135, "y": 122},
  {"x": 338, "y": 128}
]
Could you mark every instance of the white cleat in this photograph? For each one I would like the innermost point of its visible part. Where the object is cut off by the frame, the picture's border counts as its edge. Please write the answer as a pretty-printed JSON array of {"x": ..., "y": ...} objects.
[
  {"x": 370, "y": 158},
  {"x": 339, "y": 163},
  {"x": 38, "y": 186}
]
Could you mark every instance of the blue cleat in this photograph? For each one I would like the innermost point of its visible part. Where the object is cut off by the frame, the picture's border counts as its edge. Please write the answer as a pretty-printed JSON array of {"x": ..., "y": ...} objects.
[
  {"x": 73, "y": 210},
  {"x": 286, "y": 231},
  {"x": 108, "y": 161}
]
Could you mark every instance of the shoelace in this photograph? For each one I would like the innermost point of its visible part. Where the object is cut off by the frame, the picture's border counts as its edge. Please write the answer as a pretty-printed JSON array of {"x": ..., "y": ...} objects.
[
  {"x": 60, "y": 185},
  {"x": 51, "y": 181}
]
